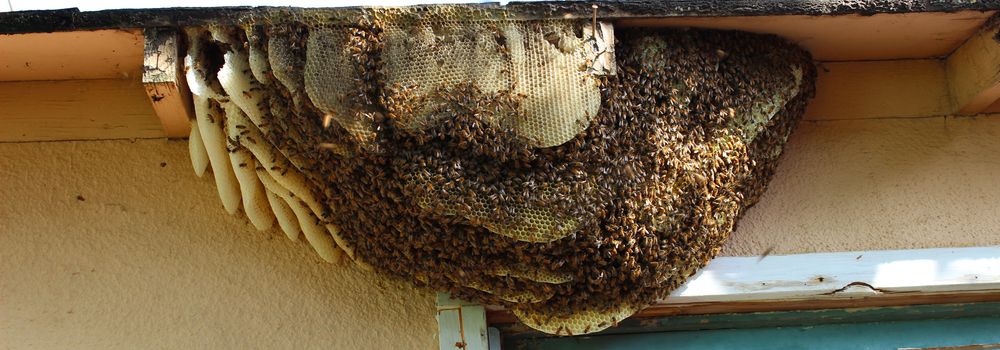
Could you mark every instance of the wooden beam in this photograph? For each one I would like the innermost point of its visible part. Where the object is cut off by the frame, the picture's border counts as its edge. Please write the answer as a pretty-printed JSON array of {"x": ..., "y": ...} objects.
[
  {"x": 163, "y": 80},
  {"x": 831, "y": 280},
  {"x": 99, "y": 54},
  {"x": 880, "y": 89},
  {"x": 74, "y": 19},
  {"x": 974, "y": 71},
  {"x": 75, "y": 110},
  {"x": 851, "y": 37}
]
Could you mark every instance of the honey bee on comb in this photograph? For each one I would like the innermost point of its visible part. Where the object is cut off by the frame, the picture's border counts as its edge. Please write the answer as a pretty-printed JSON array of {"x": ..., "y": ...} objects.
[{"x": 567, "y": 171}]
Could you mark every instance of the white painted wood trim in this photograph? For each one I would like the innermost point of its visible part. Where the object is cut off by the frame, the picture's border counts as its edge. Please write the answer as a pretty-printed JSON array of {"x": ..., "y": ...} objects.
[
  {"x": 461, "y": 325},
  {"x": 830, "y": 280},
  {"x": 843, "y": 275}
]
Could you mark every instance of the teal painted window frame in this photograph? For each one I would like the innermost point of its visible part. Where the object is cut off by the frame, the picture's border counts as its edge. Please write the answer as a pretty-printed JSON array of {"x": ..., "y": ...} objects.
[{"x": 919, "y": 326}]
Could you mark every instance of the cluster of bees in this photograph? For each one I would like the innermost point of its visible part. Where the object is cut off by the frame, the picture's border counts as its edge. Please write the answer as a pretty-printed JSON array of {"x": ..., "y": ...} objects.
[{"x": 687, "y": 136}]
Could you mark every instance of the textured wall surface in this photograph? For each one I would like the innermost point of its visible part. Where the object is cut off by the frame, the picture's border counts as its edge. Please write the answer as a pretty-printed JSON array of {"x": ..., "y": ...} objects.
[
  {"x": 880, "y": 184},
  {"x": 117, "y": 244}
]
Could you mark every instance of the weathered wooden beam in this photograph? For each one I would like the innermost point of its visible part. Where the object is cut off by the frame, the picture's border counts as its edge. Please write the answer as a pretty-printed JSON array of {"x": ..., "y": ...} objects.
[
  {"x": 163, "y": 80},
  {"x": 73, "y": 19},
  {"x": 974, "y": 71}
]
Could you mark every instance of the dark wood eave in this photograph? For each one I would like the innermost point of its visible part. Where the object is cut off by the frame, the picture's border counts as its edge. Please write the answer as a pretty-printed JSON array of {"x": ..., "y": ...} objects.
[{"x": 73, "y": 19}]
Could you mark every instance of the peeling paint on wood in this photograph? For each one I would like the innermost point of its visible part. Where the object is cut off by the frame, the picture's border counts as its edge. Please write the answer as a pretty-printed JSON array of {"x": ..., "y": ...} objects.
[{"x": 163, "y": 80}]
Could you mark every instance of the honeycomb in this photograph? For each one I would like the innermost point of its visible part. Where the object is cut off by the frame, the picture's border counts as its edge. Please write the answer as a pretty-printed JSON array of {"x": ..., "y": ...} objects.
[
  {"x": 330, "y": 81},
  {"x": 568, "y": 171},
  {"x": 585, "y": 322},
  {"x": 542, "y": 63}
]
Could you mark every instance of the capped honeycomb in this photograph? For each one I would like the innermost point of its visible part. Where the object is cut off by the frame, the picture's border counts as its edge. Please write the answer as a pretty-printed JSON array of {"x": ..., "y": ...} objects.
[{"x": 568, "y": 171}]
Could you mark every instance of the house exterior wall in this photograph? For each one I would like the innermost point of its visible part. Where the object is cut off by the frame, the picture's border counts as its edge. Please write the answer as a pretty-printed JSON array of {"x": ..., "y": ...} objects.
[
  {"x": 117, "y": 244},
  {"x": 879, "y": 184}
]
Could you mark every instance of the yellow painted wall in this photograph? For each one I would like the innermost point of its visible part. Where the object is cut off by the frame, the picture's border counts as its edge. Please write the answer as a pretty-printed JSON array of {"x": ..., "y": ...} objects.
[{"x": 118, "y": 245}]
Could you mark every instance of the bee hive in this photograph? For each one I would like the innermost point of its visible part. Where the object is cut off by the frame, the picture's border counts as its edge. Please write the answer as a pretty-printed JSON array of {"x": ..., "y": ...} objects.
[{"x": 571, "y": 174}]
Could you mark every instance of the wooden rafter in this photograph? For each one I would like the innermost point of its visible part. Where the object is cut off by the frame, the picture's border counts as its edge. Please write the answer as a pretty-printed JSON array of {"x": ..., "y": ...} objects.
[
  {"x": 163, "y": 80},
  {"x": 98, "y": 54},
  {"x": 974, "y": 71}
]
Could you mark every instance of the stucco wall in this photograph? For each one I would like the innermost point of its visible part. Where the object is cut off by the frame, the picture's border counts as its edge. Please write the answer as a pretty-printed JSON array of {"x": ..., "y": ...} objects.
[
  {"x": 116, "y": 244},
  {"x": 893, "y": 183}
]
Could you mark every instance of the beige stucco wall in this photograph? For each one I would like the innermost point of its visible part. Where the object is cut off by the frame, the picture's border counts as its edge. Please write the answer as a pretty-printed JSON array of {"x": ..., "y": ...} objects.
[
  {"x": 149, "y": 259},
  {"x": 893, "y": 183}
]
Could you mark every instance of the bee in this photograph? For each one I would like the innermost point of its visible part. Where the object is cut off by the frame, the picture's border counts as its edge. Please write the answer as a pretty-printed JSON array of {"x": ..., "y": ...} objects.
[{"x": 650, "y": 155}]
